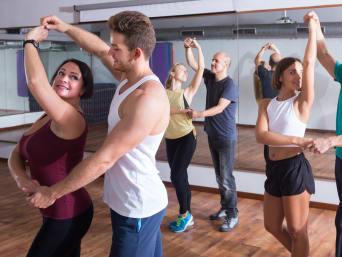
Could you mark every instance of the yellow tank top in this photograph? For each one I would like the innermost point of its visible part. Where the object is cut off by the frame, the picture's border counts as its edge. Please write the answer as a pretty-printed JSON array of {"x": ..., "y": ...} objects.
[{"x": 180, "y": 124}]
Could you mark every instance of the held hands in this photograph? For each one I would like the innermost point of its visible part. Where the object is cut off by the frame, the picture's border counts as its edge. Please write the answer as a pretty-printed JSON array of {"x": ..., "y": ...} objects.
[
  {"x": 27, "y": 185},
  {"x": 320, "y": 145},
  {"x": 38, "y": 34},
  {"x": 191, "y": 42},
  {"x": 270, "y": 46},
  {"x": 42, "y": 198},
  {"x": 193, "y": 114},
  {"x": 54, "y": 23},
  {"x": 310, "y": 16}
]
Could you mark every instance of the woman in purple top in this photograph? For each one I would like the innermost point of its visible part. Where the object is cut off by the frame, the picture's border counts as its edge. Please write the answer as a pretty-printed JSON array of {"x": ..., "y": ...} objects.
[{"x": 52, "y": 147}]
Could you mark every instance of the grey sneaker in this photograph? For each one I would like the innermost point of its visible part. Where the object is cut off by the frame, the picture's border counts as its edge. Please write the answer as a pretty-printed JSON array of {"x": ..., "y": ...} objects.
[
  {"x": 221, "y": 214},
  {"x": 229, "y": 224}
]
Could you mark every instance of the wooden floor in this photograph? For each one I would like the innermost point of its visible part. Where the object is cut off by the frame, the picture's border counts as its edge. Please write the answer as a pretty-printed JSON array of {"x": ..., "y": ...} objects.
[
  {"x": 19, "y": 223},
  {"x": 249, "y": 154}
]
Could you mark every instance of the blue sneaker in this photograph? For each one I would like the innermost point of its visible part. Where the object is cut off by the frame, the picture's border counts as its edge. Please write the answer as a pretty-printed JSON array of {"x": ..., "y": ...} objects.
[{"x": 182, "y": 223}]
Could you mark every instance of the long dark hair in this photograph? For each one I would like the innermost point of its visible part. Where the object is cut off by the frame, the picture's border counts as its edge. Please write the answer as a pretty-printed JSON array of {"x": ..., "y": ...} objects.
[{"x": 87, "y": 76}]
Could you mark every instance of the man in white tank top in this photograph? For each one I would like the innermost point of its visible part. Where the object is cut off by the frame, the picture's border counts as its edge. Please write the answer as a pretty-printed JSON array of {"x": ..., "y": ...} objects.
[{"x": 139, "y": 115}]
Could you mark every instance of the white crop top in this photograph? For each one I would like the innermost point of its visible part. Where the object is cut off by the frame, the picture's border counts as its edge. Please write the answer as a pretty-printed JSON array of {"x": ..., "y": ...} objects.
[
  {"x": 283, "y": 120},
  {"x": 132, "y": 186}
]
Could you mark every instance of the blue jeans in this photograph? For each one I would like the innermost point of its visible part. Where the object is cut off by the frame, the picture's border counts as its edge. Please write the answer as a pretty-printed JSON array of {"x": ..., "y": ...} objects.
[
  {"x": 222, "y": 153},
  {"x": 136, "y": 237}
]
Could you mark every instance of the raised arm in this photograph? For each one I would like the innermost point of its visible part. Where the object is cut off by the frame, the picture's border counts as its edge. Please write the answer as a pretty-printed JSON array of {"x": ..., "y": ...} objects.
[
  {"x": 17, "y": 169},
  {"x": 190, "y": 59},
  {"x": 266, "y": 137},
  {"x": 323, "y": 55},
  {"x": 192, "y": 88},
  {"x": 140, "y": 118},
  {"x": 258, "y": 57},
  {"x": 67, "y": 119},
  {"x": 306, "y": 97},
  {"x": 86, "y": 40},
  {"x": 274, "y": 48}
]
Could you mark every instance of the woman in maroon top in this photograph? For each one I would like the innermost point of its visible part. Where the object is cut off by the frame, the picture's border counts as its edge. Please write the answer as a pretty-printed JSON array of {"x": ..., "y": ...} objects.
[{"x": 52, "y": 147}]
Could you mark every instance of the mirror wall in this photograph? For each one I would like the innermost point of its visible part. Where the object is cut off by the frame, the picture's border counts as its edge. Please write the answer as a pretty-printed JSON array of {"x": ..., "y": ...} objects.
[{"x": 241, "y": 36}]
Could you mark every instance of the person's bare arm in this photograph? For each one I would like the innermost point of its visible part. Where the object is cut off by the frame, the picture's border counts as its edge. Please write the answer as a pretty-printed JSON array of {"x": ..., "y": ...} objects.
[
  {"x": 323, "y": 55},
  {"x": 274, "y": 48},
  {"x": 67, "y": 119},
  {"x": 258, "y": 57},
  {"x": 139, "y": 119},
  {"x": 190, "y": 59},
  {"x": 321, "y": 145},
  {"x": 266, "y": 137},
  {"x": 17, "y": 170},
  {"x": 192, "y": 88},
  {"x": 221, "y": 105},
  {"x": 86, "y": 40},
  {"x": 307, "y": 94}
]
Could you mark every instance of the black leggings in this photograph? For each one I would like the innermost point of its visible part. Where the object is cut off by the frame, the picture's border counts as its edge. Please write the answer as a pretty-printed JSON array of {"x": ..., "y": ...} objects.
[
  {"x": 61, "y": 238},
  {"x": 179, "y": 154},
  {"x": 338, "y": 218}
]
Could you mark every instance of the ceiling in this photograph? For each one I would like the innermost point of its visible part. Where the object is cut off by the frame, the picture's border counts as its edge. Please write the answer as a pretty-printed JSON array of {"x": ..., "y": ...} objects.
[{"x": 329, "y": 14}]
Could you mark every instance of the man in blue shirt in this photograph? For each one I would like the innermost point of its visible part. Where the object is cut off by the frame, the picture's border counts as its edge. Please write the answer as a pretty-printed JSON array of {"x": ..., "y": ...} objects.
[{"x": 220, "y": 125}]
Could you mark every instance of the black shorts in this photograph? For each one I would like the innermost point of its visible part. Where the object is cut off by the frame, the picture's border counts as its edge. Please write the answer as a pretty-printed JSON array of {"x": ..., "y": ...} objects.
[{"x": 290, "y": 176}]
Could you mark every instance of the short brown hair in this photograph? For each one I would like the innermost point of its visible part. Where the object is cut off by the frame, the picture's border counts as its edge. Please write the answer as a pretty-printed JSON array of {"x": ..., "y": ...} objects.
[
  {"x": 281, "y": 66},
  {"x": 137, "y": 29}
]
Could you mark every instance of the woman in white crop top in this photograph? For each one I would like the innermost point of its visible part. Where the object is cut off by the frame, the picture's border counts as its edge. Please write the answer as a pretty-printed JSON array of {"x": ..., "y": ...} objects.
[{"x": 281, "y": 125}]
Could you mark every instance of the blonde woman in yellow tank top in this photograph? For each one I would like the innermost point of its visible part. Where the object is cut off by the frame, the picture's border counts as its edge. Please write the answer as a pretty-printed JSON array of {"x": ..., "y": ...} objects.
[{"x": 180, "y": 135}]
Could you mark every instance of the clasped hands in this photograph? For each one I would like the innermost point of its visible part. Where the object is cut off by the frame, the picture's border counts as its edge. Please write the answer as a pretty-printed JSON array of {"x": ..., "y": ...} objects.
[
  {"x": 192, "y": 114},
  {"x": 37, "y": 195}
]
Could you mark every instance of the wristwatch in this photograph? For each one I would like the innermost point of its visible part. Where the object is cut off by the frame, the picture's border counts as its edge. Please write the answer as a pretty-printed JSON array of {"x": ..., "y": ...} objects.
[{"x": 31, "y": 41}]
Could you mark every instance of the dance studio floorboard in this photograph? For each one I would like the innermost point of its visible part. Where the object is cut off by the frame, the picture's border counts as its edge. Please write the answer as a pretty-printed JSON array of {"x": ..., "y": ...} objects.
[
  {"x": 19, "y": 223},
  {"x": 248, "y": 157}
]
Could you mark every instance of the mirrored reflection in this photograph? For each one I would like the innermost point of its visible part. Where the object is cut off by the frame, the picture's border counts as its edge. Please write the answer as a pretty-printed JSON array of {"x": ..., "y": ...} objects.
[
  {"x": 214, "y": 34},
  {"x": 267, "y": 33},
  {"x": 12, "y": 99}
]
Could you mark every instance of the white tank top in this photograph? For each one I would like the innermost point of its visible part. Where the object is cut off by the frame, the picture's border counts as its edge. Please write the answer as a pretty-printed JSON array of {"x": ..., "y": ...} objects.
[
  {"x": 132, "y": 186},
  {"x": 282, "y": 119}
]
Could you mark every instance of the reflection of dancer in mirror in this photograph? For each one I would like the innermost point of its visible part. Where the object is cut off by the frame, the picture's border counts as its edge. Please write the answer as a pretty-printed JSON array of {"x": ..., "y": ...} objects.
[
  {"x": 137, "y": 120},
  {"x": 265, "y": 72},
  {"x": 281, "y": 125},
  {"x": 181, "y": 133},
  {"x": 321, "y": 145},
  {"x": 220, "y": 125},
  {"x": 263, "y": 77},
  {"x": 53, "y": 146}
]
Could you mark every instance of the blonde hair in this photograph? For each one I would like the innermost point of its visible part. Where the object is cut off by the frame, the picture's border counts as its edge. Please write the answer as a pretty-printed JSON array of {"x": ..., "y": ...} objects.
[{"x": 170, "y": 79}]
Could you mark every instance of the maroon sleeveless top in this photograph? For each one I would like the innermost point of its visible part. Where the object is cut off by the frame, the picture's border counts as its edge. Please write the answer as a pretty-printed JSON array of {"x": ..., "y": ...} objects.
[{"x": 50, "y": 159}]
